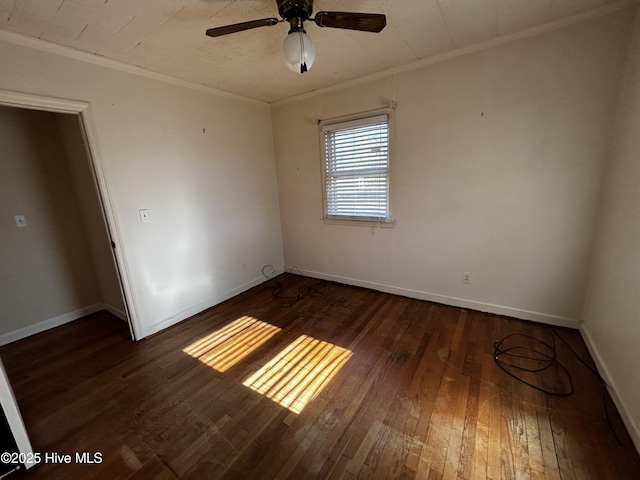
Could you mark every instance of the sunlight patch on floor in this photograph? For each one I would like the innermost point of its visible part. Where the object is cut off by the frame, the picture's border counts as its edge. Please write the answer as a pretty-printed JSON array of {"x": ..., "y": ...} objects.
[
  {"x": 225, "y": 347},
  {"x": 299, "y": 372}
]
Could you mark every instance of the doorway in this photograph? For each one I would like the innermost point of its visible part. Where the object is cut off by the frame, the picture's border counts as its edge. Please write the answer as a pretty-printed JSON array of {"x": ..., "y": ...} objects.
[{"x": 56, "y": 219}]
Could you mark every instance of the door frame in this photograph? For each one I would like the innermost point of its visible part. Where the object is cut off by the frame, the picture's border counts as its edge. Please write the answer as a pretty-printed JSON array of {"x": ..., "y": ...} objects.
[{"x": 83, "y": 111}]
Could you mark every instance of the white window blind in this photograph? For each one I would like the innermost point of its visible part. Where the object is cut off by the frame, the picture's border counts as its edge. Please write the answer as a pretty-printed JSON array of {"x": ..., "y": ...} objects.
[{"x": 357, "y": 169}]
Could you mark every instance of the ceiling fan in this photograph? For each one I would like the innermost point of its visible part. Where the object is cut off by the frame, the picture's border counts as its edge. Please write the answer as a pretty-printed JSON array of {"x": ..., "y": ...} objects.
[{"x": 299, "y": 52}]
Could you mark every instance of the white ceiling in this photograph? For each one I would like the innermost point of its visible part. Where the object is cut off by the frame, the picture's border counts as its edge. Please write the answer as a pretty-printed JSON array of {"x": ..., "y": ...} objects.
[{"x": 167, "y": 36}]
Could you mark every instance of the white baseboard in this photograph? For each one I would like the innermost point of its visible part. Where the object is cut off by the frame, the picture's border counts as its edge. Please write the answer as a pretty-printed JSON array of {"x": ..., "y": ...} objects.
[
  {"x": 49, "y": 324},
  {"x": 612, "y": 387},
  {"x": 190, "y": 312},
  {"x": 115, "y": 311},
  {"x": 452, "y": 301}
]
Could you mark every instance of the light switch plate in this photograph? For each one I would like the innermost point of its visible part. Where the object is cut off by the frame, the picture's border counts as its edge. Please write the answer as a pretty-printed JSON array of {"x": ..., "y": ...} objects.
[
  {"x": 20, "y": 220},
  {"x": 144, "y": 215}
]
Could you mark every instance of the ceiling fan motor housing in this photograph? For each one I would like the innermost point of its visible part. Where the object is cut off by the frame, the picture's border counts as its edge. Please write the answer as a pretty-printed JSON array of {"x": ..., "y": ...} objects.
[{"x": 289, "y": 9}]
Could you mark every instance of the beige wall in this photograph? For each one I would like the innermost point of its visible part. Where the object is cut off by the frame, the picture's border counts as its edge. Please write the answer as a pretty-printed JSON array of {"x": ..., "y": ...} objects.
[
  {"x": 612, "y": 308},
  {"x": 91, "y": 212},
  {"x": 46, "y": 268},
  {"x": 495, "y": 170},
  {"x": 202, "y": 164}
]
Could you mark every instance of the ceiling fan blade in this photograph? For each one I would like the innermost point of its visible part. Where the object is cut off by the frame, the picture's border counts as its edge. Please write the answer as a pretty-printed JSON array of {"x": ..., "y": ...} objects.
[
  {"x": 366, "y": 22},
  {"x": 239, "y": 27}
]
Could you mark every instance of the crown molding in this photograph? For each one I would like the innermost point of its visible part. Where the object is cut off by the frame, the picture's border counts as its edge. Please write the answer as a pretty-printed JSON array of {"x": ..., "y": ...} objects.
[
  {"x": 424, "y": 62},
  {"x": 80, "y": 55}
]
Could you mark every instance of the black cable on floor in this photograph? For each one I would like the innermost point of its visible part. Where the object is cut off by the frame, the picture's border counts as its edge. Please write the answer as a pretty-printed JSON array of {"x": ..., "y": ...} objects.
[
  {"x": 539, "y": 358},
  {"x": 284, "y": 292},
  {"x": 602, "y": 382}
]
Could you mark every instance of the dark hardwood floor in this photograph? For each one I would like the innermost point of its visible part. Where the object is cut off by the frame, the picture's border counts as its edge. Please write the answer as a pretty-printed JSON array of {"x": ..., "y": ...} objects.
[{"x": 350, "y": 383}]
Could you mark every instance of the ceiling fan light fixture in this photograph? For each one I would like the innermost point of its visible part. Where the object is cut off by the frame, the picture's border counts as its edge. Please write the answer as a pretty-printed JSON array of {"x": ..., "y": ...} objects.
[{"x": 299, "y": 52}]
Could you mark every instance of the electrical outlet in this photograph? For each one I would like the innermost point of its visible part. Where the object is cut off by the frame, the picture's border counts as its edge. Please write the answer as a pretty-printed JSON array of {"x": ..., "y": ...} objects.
[
  {"x": 244, "y": 267},
  {"x": 466, "y": 278}
]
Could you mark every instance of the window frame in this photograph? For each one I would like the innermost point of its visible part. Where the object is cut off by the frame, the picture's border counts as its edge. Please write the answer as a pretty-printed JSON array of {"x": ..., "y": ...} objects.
[{"x": 353, "y": 120}]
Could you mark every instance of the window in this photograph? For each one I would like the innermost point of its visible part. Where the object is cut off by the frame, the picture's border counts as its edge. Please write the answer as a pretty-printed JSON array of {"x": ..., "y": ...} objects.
[{"x": 356, "y": 174}]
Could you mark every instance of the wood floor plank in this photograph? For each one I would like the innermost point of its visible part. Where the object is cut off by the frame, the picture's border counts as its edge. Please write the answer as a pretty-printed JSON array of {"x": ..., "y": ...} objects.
[{"x": 419, "y": 395}]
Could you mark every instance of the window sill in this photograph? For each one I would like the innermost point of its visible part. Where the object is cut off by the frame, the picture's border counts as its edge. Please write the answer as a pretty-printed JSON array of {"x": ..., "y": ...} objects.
[{"x": 359, "y": 223}]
